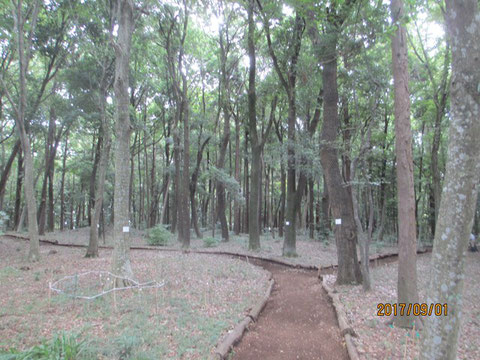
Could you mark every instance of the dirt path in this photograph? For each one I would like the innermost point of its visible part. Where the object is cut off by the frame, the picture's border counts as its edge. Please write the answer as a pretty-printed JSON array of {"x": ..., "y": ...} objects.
[{"x": 298, "y": 321}]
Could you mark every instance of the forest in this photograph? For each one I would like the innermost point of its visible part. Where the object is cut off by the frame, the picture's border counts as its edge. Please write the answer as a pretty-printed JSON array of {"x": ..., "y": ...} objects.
[{"x": 347, "y": 125}]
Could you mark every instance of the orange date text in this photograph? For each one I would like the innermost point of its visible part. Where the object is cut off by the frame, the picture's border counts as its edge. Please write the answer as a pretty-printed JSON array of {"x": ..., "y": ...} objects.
[{"x": 416, "y": 309}]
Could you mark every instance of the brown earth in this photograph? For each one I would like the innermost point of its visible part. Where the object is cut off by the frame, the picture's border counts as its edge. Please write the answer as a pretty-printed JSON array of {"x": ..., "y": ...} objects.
[{"x": 298, "y": 321}]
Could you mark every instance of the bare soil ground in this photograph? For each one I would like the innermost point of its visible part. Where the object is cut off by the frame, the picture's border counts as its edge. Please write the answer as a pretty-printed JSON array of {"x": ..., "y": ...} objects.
[
  {"x": 204, "y": 297},
  {"x": 298, "y": 322},
  {"x": 379, "y": 341}
]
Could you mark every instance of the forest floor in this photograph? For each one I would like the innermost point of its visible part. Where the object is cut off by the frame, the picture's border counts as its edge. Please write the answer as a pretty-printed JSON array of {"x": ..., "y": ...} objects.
[
  {"x": 376, "y": 340},
  {"x": 203, "y": 297},
  {"x": 194, "y": 314},
  {"x": 310, "y": 252}
]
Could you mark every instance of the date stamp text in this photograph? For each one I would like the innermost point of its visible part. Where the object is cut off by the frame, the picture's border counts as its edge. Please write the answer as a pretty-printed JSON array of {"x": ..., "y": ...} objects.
[{"x": 402, "y": 309}]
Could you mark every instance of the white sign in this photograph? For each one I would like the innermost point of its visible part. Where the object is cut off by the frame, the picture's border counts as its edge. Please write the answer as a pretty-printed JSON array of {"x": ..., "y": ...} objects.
[
  {"x": 338, "y": 221},
  {"x": 126, "y": 229},
  {"x": 287, "y": 223}
]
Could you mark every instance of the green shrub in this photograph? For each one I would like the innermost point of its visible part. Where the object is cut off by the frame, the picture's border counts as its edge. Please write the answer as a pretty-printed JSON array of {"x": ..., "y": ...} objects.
[
  {"x": 158, "y": 236},
  {"x": 63, "y": 346},
  {"x": 210, "y": 242}
]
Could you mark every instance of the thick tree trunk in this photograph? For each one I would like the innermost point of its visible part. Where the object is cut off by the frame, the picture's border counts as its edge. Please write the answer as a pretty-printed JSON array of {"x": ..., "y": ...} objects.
[
  {"x": 339, "y": 196},
  {"x": 289, "y": 243},
  {"x": 121, "y": 250},
  {"x": 461, "y": 183},
  {"x": 407, "y": 239}
]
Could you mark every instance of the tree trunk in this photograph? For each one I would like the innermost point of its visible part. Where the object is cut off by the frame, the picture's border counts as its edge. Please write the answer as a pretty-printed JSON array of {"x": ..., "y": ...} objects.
[
  {"x": 92, "y": 250},
  {"x": 283, "y": 196},
  {"x": 461, "y": 183},
  {"x": 311, "y": 217},
  {"x": 236, "y": 206},
  {"x": 193, "y": 187},
  {"x": 62, "y": 186},
  {"x": 407, "y": 244},
  {"x": 6, "y": 171},
  {"x": 93, "y": 177},
  {"x": 383, "y": 185},
  {"x": 121, "y": 250},
  {"x": 253, "y": 226},
  {"x": 339, "y": 196},
  {"x": 18, "y": 191},
  {"x": 49, "y": 162},
  {"x": 20, "y": 119}
]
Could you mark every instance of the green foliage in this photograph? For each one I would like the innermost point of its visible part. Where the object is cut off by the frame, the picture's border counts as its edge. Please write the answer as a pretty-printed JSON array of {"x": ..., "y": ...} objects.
[
  {"x": 231, "y": 185},
  {"x": 63, "y": 346},
  {"x": 126, "y": 345},
  {"x": 158, "y": 236},
  {"x": 210, "y": 242}
]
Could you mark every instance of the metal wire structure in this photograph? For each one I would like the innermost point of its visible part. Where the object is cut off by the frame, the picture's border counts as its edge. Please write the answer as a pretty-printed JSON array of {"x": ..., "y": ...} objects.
[{"x": 105, "y": 284}]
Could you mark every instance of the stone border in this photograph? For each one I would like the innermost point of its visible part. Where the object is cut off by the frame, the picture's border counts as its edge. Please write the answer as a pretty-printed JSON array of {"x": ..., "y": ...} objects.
[{"x": 226, "y": 344}]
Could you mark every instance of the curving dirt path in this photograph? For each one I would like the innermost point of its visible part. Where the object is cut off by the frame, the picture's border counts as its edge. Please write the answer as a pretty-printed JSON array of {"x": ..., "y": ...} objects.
[{"x": 298, "y": 321}]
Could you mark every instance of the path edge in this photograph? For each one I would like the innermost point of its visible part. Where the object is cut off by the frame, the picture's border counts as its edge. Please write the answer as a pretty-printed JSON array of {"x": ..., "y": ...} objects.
[
  {"x": 342, "y": 321},
  {"x": 226, "y": 344}
]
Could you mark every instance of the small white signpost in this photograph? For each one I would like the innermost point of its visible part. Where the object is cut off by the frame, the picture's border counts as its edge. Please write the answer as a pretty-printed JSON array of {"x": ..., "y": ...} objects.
[
  {"x": 126, "y": 229},
  {"x": 338, "y": 221}
]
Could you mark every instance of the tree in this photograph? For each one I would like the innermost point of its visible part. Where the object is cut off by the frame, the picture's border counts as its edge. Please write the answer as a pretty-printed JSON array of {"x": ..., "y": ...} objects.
[
  {"x": 257, "y": 140},
  {"x": 407, "y": 245},
  {"x": 123, "y": 11},
  {"x": 460, "y": 190},
  {"x": 340, "y": 199},
  {"x": 289, "y": 82},
  {"x": 24, "y": 46}
]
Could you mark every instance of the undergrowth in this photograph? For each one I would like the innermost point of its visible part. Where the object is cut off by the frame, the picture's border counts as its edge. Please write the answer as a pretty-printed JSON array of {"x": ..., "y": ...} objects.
[{"x": 63, "y": 346}]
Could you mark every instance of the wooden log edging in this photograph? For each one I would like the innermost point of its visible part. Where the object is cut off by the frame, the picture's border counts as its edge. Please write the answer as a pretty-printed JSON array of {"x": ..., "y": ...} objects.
[
  {"x": 347, "y": 331},
  {"x": 226, "y": 344}
]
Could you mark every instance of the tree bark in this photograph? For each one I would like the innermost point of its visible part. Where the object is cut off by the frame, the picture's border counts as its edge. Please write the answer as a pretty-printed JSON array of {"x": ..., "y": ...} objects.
[
  {"x": 461, "y": 183},
  {"x": 340, "y": 199},
  {"x": 121, "y": 250},
  {"x": 6, "y": 171},
  {"x": 62, "y": 186},
  {"x": 50, "y": 150},
  {"x": 18, "y": 190},
  {"x": 407, "y": 245},
  {"x": 92, "y": 250},
  {"x": 253, "y": 226},
  {"x": 236, "y": 206},
  {"x": 21, "y": 121},
  {"x": 193, "y": 186}
]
